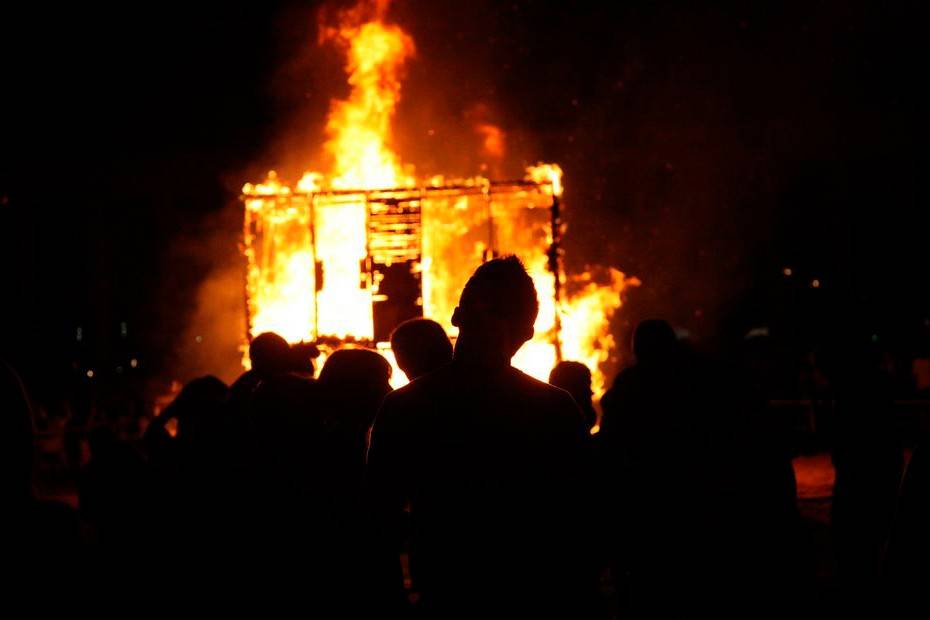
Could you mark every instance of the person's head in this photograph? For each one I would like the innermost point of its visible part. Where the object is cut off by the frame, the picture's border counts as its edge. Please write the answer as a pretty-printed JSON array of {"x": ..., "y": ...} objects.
[
  {"x": 362, "y": 367},
  {"x": 358, "y": 379},
  {"x": 197, "y": 401},
  {"x": 497, "y": 310},
  {"x": 654, "y": 342},
  {"x": 574, "y": 378},
  {"x": 420, "y": 346},
  {"x": 302, "y": 356},
  {"x": 270, "y": 353}
]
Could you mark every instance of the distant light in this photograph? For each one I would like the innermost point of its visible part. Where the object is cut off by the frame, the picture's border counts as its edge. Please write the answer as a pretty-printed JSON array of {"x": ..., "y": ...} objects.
[
  {"x": 134, "y": 363},
  {"x": 757, "y": 332},
  {"x": 90, "y": 374},
  {"x": 874, "y": 337},
  {"x": 80, "y": 334},
  {"x": 199, "y": 339},
  {"x": 787, "y": 271},
  {"x": 119, "y": 370},
  {"x": 123, "y": 329},
  {"x": 815, "y": 283}
]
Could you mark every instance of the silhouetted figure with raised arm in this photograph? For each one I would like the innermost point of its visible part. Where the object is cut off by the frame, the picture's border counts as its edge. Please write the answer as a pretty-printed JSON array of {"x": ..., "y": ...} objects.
[
  {"x": 189, "y": 472},
  {"x": 575, "y": 378},
  {"x": 269, "y": 354},
  {"x": 493, "y": 466},
  {"x": 40, "y": 538},
  {"x": 420, "y": 346}
]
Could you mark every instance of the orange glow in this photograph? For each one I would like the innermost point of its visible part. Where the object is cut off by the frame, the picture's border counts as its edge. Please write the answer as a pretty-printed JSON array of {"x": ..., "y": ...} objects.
[
  {"x": 310, "y": 250},
  {"x": 547, "y": 173},
  {"x": 492, "y": 139},
  {"x": 359, "y": 128}
]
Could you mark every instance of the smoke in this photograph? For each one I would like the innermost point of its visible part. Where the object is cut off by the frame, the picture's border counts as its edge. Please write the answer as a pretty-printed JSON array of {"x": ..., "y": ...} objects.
[
  {"x": 214, "y": 316},
  {"x": 662, "y": 179}
]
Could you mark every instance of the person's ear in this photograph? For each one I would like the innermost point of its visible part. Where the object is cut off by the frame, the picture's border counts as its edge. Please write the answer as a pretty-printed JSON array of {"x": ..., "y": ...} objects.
[{"x": 457, "y": 317}]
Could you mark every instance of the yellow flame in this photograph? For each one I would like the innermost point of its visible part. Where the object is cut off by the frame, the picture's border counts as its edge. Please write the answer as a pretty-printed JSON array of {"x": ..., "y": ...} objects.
[
  {"x": 359, "y": 128},
  {"x": 585, "y": 320},
  {"x": 272, "y": 186},
  {"x": 310, "y": 182},
  {"x": 550, "y": 174},
  {"x": 292, "y": 238}
]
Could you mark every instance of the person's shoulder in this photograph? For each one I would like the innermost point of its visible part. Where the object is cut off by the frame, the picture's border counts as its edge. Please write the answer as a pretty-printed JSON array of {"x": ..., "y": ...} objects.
[
  {"x": 630, "y": 373},
  {"x": 542, "y": 390},
  {"x": 530, "y": 382},
  {"x": 405, "y": 399},
  {"x": 424, "y": 385}
]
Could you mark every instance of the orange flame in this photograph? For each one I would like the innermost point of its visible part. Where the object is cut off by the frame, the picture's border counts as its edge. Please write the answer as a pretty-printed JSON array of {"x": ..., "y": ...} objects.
[
  {"x": 550, "y": 174},
  {"x": 306, "y": 249},
  {"x": 359, "y": 128}
]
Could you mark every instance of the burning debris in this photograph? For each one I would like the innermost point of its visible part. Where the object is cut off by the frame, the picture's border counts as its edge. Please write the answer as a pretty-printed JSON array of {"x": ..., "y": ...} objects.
[{"x": 344, "y": 257}]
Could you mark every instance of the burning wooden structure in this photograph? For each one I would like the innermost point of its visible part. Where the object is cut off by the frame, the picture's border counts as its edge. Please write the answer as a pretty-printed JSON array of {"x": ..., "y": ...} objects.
[
  {"x": 349, "y": 265},
  {"x": 345, "y": 256}
]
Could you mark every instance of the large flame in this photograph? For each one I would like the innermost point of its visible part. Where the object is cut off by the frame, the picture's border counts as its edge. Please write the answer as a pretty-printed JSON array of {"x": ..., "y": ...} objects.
[
  {"x": 359, "y": 128},
  {"x": 306, "y": 248}
]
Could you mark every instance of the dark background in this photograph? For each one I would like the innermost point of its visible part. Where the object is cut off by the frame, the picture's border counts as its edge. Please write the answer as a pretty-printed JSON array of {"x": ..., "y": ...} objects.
[{"x": 706, "y": 148}]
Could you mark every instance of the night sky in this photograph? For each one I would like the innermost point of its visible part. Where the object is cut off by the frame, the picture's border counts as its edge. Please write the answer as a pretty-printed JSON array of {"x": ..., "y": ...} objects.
[{"x": 706, "y": 148}]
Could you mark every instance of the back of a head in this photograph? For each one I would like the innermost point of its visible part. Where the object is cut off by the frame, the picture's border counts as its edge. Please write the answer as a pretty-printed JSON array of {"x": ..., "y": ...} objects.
[
  {"x": 202, "y": 397},
  {"x": 206, "y": 389},
  {"x": 654, "y": 342},
  {"x": 573, "y": 377},
  {"x": 420, "y": 346},
  {"x": 356, "y": 380},
  {"x": 498, "y": 306},
  {"x": 269, "y": 353},
  {"x": 302, "y": 356},
  {"x": 355, "y": 366}
]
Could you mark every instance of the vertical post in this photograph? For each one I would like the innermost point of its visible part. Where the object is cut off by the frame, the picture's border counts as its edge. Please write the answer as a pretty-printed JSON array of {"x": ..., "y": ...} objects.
[
  {"x": 247, "y": 239},
  {"x": 317, "y": 266},
  {"x": 555, "y": 266},
  {"x": 491, "y": 252}
]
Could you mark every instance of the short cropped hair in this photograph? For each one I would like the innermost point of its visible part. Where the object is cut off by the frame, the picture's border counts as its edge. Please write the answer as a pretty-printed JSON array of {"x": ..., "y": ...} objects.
[
  {"x": 503, "y": 288},
  {"x": 421, "y": 345}
]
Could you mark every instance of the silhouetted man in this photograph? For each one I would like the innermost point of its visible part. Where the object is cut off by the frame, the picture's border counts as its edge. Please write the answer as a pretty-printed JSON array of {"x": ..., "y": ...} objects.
[
  {"x": 420, "y": 346},
  {"x": 493, "y": 464},
  {"x": 654, "y": 442}
]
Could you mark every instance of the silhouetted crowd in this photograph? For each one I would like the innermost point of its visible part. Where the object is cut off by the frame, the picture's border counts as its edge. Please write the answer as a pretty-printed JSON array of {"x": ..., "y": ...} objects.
[{"x": 476, "y": 491}]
